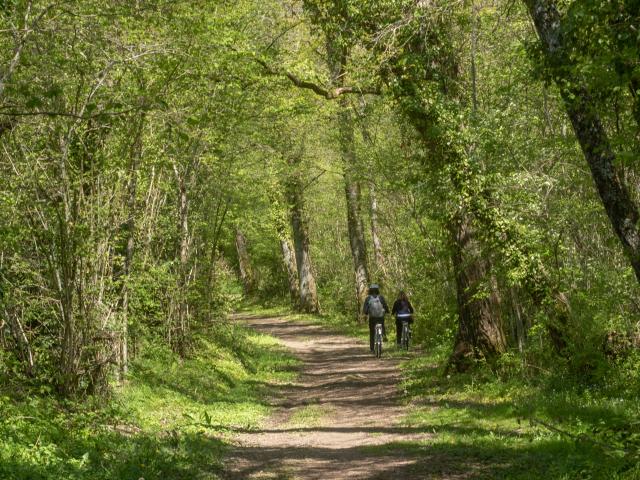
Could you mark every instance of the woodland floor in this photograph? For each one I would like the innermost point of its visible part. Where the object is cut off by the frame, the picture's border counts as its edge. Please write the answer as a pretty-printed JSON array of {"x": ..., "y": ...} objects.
[{"x": 341, "y": 419}]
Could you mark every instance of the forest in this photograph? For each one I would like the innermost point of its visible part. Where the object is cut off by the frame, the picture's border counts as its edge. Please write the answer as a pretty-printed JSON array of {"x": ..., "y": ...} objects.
[{"x": 195, "y": 196}]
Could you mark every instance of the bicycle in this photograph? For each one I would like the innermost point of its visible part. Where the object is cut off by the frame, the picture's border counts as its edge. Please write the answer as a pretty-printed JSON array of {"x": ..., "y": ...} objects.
[
  {"x": 377, "y": 340},
  {"x": 406, "y": 335}
]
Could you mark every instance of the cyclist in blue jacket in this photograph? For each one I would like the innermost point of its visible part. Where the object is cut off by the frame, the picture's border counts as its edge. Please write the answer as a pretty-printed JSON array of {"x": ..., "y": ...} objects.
[
  {"x": 403, "y": 310},
  {"x": 375, "y": 306}
]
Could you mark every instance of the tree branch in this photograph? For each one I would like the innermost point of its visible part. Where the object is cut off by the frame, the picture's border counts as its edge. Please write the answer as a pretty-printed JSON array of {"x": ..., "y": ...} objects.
[
  {"x": 46, "y": 113},
  {"x": 328, "y": 93},
  {"x": 27, "y": 31},
  {"x": 314, "y": 180}
]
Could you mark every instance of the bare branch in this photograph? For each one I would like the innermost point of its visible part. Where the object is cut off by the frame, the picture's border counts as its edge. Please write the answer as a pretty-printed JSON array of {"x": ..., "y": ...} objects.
[
  {"x": 314, "y": 180},
  {"x": 27, "y": 30},
  {"x": 45, "y": 113},
  {"x": 328, "y": 93}
]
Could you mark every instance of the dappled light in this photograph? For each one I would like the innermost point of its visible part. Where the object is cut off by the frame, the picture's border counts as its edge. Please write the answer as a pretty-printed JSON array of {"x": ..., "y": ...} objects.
[{"x": 319, "y": 239}]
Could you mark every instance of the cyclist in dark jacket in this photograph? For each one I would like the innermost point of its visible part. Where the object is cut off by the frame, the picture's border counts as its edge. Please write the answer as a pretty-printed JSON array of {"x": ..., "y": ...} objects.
[
  {"x": 369, "y": 308},
  {"x": 403, "y": 310}
]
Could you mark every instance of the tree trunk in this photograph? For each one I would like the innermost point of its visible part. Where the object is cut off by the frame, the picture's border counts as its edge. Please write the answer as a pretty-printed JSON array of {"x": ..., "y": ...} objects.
[
  {"x": 474, "y": 49},
  {"x": 22, "y": 342},
  {"x": 375, "y": 235},
  {"x": 480, "y": 332},
  {"x": 380, "y": 263},
  {"x": 180, "y": 334},
  {"x": 128, "y": 228},
  {"x": 308, "y": 293},
  {"x": 620, "y": 207},
  {"x": 218, "y": 222},
  {"x": 65, "y": 280},
  {"x": 246, "y": 271},
  {"x": 283, "y": 218},
  {"x": 337, "y": 60},
  {"x": 290, "y": 264},
  {"x": 502, "y": 235},
  {"x": 519, "y": 326},
  {"x": 356, "y": 239}
]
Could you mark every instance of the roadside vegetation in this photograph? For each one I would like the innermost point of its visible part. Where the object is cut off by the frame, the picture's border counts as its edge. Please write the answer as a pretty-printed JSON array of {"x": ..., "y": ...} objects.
[
  {"x": 171, "y": 419},
  {"x": 534, "y": 424}
]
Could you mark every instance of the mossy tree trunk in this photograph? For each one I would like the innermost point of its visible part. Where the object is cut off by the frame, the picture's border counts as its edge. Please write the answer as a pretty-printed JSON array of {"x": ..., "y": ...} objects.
[
  {"x": 307, "y": 289},
  {"x": 620, "y": 207},
  {"x": 337, "y": 60},
  {"x": 375, "y": 230},
  {"x": 247, "y": 276},
  {"x": 480, "y": 331},
  {"x": 291, "y": 266}
]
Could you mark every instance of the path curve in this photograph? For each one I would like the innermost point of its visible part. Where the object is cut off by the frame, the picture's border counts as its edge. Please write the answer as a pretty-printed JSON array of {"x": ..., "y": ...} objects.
[{"x": 353, "y": 397}]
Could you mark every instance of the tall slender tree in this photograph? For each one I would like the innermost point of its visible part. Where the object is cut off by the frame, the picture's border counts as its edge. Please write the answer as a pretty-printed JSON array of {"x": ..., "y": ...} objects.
[{"x": 620, "y": 207}]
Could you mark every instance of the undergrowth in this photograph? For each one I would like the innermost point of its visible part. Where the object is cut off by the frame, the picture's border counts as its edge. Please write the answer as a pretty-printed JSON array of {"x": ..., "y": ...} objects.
[
  {"x": 171, "y": 420},
  {"x": 546, "y": 424}
]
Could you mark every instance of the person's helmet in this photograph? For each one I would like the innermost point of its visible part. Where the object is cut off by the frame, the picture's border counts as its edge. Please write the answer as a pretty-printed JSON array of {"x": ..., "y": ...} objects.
[{"x": 374, "y": 288}]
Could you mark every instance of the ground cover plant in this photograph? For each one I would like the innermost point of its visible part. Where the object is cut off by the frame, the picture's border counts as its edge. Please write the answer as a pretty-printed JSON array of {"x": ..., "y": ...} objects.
[
  {"x": 544, "y": 425},
  {"x": 170, "y": 421}
]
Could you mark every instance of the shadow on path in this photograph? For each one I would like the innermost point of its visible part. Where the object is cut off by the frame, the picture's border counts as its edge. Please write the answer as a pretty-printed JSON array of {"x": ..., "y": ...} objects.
[{"x": 343, "y": 419}]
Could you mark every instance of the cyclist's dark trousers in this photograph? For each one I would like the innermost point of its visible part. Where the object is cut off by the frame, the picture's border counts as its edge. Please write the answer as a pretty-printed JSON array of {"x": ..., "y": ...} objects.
[
  {"x": 399, "y": 329},
  {"x": 372, "y": 329}
]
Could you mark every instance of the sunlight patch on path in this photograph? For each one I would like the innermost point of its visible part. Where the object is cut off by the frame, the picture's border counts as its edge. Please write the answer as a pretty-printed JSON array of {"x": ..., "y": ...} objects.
[{"x": 341, "y": 420}]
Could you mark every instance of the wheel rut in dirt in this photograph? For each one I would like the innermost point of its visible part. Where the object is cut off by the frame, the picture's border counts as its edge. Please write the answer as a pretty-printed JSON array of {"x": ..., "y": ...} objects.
[{"x": 340, "y": 420}]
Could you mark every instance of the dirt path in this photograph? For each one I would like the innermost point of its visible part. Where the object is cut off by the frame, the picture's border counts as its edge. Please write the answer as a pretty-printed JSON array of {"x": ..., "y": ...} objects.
[{"x": 341, "y": 420}]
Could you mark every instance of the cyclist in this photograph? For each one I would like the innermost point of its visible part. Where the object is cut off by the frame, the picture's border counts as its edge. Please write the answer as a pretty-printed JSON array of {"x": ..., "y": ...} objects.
[
  {"x": 403, "y": 310},
  {"x": 375, "y": 306}
]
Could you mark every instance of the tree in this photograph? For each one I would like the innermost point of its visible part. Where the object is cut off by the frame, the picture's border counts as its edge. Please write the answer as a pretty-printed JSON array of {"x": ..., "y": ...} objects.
[{"x": 621, "y": 209}]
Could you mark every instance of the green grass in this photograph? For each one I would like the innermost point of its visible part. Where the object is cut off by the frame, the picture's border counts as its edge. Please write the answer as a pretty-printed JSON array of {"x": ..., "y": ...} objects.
[
  {"x": 309, "y": 416},
  {"x": 490, "y": 425},
  {"x": 171, "y": 421}
]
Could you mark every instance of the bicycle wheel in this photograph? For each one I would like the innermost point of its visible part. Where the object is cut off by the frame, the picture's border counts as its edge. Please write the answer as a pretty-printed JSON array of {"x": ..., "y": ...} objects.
[
  {"x": 405, "y": 337},
  {"x": 378, "y": 341}
]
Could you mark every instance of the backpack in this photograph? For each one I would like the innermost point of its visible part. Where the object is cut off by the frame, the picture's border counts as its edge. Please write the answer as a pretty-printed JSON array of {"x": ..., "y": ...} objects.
[{"x": 376, "y": 310}]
